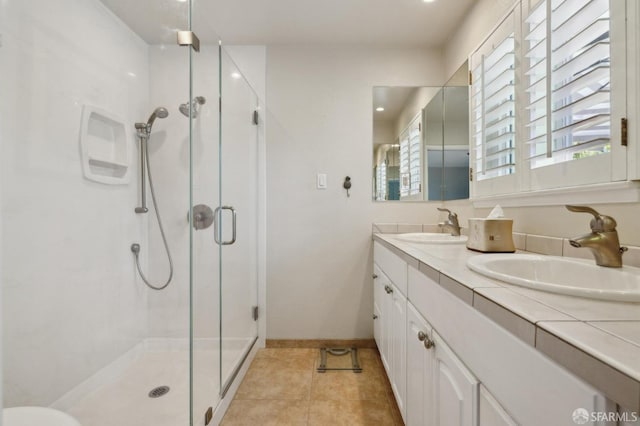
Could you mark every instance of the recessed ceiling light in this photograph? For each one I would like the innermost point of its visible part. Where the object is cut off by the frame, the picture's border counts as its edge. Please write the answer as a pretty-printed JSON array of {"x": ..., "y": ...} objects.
[
  {"x": 379, "y": 109},
  {"x": 182, "y": 1},
  {"x": 236, "y": 75},
  {"x": 428, "y": 1}
]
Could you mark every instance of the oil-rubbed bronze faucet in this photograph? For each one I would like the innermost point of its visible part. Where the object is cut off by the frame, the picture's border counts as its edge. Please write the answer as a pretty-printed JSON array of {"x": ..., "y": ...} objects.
[
  {"x": 602, "y": 240},
  {"x": 451, "y": 224}
]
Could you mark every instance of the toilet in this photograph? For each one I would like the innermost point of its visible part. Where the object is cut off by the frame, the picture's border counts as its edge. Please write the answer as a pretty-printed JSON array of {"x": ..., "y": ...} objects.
[{"x": 36, "y": 416}]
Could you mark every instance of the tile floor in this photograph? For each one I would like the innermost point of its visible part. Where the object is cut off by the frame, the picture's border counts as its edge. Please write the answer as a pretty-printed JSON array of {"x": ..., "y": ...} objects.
[{"x": 282, "y": 387}]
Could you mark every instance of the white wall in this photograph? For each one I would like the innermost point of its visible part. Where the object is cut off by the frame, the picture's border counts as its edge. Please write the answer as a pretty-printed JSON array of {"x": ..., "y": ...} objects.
[
  {"x": 475, "y": 27},
  {"x": 319, "y": 241},
  {"x": 71, "y": 301},
  {"x": 416, "y": 102}
]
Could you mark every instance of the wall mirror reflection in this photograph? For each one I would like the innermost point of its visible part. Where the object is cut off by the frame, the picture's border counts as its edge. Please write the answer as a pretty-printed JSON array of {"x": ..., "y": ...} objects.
[{"x": 421, "y": 141}]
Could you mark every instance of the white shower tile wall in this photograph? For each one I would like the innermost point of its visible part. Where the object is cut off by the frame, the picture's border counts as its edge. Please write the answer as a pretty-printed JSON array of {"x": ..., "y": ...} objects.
[
  {"x": 541, "y": 244},
  {"x": 71, "y": 300}
]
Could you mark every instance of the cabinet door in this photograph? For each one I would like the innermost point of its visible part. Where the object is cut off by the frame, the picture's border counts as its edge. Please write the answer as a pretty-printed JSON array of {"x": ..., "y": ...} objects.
[
  {"x": 398, "y": 338},
  {"x": 455, "y": 390},
  {"x": 378, "y": 299},
  {"x": 491, "y": 412},
  {"x": 377, "y": 324},
  {"x": 383, "y": 301},
  {"x": 418, "y": 398}
]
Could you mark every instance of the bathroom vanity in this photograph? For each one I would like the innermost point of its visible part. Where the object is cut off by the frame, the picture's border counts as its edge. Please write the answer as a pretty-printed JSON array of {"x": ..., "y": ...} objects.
[{"x": 463, "y": 349}]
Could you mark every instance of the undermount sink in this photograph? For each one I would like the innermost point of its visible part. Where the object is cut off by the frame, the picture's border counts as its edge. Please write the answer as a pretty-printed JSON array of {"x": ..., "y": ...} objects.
[
  {"x": 574, "y": 277},
  {"x": 432, "y": 238}
]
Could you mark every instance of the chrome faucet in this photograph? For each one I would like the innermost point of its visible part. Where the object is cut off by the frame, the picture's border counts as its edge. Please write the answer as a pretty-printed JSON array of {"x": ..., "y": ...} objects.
[
  {"x": 602, "y": 240},
  {"x": 451, "y": 224}
]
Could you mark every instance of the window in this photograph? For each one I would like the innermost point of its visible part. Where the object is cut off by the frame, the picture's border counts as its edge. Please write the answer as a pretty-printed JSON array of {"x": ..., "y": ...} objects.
[
  {"x": 493, "y": 111},
  {"x": 411, "y": 159},
  {"x": 495, "y": 126},
  {"x": 573, "y": 47},
  {"x": 548, "y": 96},
  {"x": 381, "y": 181}
]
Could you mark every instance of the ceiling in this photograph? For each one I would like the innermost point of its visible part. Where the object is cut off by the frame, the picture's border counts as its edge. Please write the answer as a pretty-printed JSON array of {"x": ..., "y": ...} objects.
[
  {"x": 368, "y": 22},
  {"x": 392, "y": 99}
]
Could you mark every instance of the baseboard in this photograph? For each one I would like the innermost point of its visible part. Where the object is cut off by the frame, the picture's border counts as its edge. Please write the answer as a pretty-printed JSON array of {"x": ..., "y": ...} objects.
[{"x": 321, "y": 343}]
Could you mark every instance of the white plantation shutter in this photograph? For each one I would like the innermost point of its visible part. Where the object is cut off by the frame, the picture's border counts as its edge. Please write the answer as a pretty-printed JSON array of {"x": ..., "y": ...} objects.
[
  {"x": 381, "y": 179},
  {"x": 575, "y": 51},
  {"x": 548, "y": 96},
  {"x": 411, "y": 159},
  {"x": 572, "y": 117},
  {"x": 415, "y": 157},
  {"x": 493, "y": 110},
  {"x": 499, "y": 110},
  {"x": 405, "y": 181}
]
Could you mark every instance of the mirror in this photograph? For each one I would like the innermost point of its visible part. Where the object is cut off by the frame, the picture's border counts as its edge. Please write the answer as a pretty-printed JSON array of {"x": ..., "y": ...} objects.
[{"x": 421, "y": 141}]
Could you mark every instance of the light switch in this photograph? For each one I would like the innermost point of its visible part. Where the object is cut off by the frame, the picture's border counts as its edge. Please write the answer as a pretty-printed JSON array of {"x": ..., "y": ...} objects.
[{"x": 321, "y": 181}]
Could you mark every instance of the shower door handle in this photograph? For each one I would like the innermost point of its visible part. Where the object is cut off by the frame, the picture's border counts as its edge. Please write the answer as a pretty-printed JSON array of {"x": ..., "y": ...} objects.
[{"x": 216, "y": 229}]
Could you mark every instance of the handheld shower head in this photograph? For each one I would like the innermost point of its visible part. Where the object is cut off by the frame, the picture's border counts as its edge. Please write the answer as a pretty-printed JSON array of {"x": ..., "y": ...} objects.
[
  {"x": 144, "y": 129},
  {"x": 160, "y": 112}
]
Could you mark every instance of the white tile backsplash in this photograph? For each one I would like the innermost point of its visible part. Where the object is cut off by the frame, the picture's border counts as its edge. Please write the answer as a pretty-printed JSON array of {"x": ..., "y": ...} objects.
[
  {"x": 631, "y": 257},
  {"x": 432, "y": 228},
  {"x": 552, "y": 246},
  {"x": 519, "y": 240},
  {"x": 544, "y": 245},
  {"x": 404, "y": 228},
  {"x": 385, "y": 228},
  {"x": 570, "y": 251}
]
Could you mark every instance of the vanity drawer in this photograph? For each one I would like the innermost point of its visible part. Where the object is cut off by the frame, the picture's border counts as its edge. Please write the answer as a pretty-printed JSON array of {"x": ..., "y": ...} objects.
[{"x": 392, "y": 265}]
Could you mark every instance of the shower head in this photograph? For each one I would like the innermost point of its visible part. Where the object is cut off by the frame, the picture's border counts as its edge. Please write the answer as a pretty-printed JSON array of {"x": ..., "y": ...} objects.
[
  {"x": 198, "y": 100},
  {"x": 144, "y": 129},
  {"x": 160, "y": 112}
]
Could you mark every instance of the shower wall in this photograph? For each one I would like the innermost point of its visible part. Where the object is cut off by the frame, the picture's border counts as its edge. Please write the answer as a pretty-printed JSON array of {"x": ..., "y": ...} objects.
[
  {"x": 72, "y": 302},
  {"x": 169, "y": 156}
]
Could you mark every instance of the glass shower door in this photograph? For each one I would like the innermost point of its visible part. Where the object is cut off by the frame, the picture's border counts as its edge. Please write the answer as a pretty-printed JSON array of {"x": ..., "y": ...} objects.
[
  {"x": 223, "y": 153},
  {"x": 238, "y": 167},
  {"x": 204, "y": 195}
]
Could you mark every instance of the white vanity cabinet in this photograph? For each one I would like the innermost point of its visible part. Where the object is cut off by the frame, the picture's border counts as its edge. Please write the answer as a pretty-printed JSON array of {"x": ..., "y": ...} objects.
[
  {"x": 440, "y": 389},
  {"x": 455, "y": 389},
  {"x": 382, "y": 315},
  {"x": 472, "y": 371},
  {"x": 419, "y": 406},
  {"x": 523, "y": 382},
  {"x": 491, "y": 412},
  {"x": 399, "y": 347},
  {"x": 390, "y": 318}
]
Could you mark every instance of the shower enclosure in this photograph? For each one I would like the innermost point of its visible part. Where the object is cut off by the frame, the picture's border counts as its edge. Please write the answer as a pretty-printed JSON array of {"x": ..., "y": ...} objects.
[{"x": 82, "y": 333}]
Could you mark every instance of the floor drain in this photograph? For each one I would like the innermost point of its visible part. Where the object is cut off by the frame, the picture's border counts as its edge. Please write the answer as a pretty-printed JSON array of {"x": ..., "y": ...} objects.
[{"x": 159, "y": 391}]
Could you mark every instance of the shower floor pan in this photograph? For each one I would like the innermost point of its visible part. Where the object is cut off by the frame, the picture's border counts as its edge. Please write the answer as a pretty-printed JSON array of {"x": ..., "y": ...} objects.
[{"x": 126, "y": 400}]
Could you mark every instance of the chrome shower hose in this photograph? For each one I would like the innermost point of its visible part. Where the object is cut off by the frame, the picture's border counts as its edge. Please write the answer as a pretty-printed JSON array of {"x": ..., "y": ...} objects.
[{"x": 135, "y": 248}]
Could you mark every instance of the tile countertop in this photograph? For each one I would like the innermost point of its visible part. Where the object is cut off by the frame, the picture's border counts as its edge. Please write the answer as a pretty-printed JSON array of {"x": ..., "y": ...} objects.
[{"x": 598, "y": 341}]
